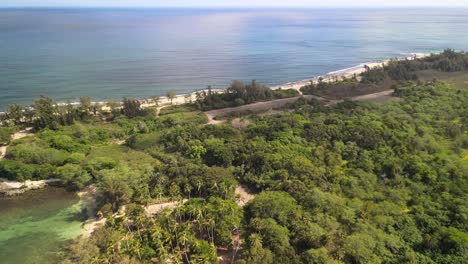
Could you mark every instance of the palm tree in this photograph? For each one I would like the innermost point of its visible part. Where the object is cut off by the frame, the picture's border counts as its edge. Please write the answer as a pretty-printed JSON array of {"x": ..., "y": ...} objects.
[
  {"x": 199, "y": 185},
  {"x": 185, "y": 236},
  {"x": 188, "y": 189},
  {"x": 210, "y": 224}
]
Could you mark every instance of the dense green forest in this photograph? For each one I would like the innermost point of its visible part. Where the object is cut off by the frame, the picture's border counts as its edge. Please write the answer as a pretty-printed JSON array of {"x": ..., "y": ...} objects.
[{"x": 350, "y": 183}]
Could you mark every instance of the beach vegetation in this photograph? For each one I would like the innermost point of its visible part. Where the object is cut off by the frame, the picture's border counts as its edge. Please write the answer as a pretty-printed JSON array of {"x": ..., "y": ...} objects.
[
  {"x": 16, "y": 113},
  {"x": 131, "y": 107},
  {"x": 5, "y": 135}
]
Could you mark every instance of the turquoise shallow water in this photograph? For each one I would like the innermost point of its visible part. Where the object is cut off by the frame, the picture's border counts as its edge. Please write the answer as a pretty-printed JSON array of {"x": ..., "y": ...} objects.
[
  {"x": 35, "y": 227},
  {"x": 109, "y": 53}
]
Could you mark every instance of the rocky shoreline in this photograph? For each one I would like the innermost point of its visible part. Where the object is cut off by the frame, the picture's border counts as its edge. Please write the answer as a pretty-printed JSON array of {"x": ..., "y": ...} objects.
[{"x": 11, "y": 188}]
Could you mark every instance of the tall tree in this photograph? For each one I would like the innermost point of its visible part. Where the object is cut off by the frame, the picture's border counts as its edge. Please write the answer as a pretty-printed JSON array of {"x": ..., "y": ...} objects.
[
  {"x": 131, "y": 107},
  {"x": 171, "y": 95},
  {"x": 46, "y": 115},
  {"x": 16, "y": 112}
]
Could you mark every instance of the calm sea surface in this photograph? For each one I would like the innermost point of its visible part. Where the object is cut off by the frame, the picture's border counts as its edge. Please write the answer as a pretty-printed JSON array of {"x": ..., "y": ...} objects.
[{"x": 108, "y": 54}]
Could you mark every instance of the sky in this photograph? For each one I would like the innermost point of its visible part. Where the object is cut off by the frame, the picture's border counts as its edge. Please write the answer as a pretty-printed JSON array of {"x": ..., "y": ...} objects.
[{"x": 235, "y": 3}]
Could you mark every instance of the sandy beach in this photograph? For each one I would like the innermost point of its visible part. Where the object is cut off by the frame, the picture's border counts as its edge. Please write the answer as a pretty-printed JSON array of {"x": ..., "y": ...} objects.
[
  {"x": 344, "y": 73},
  {"x": 329, "y": 77}
]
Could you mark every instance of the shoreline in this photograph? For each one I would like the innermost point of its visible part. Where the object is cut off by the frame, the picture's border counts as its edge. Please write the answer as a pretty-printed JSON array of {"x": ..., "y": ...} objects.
[
  {"x": 346, "y": 72},
  {"x": 12, "y": 188},
  {"x": 296, "y": 85}
]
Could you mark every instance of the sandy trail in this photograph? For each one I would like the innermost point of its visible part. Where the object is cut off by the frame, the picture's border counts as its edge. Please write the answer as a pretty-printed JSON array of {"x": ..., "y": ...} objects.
[
  {"x": 153, "y": 209},
  {"x": 3, "y": 150},
  {"x": 373, "y": 96},
  {"x": 18, "y": 135}
]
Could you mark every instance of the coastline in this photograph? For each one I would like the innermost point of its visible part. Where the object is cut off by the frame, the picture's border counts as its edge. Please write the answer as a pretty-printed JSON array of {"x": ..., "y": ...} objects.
[
  {"x": 12, "y": 188},
  {"x": 346, "y": 73},
  {"x": 296, "y": 85}
]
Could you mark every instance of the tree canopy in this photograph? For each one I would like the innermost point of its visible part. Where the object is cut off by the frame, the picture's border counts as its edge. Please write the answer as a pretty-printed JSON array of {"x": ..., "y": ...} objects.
[{"x": 355, "y": 182}]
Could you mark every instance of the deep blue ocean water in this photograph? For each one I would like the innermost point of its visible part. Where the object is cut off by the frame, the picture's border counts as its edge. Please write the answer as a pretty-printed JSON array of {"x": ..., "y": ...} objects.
[{"x": 112, "y": 53}]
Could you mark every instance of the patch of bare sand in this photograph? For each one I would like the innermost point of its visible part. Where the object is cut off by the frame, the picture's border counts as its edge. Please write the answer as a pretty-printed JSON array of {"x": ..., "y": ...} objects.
[
  {"x": 22, "y": 134},
  {"x": 91, "y": 225},
  {"x": 212, "y": 118},
  {"x": 240, "y": 123},
  {"x": 94, "y": 223},
  {"x": 380, "y": 97},
  {"x": 243, "y": 196},
  {"x": 153, "y": 209},
  {"x": 3, "y": 150},
  {"x": 118, "y": 141}
]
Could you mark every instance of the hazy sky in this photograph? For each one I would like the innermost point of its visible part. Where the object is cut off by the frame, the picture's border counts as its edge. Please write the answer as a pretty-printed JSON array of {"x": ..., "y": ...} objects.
[{"x": 233, "y": 3}]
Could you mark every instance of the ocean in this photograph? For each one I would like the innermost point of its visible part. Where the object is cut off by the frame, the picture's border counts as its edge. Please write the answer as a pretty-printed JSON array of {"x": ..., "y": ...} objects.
[{"x": 115, "y": 53}]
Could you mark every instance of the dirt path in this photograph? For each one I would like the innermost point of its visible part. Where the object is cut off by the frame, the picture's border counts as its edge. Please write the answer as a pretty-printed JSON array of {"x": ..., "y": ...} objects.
[
  {"x": 18, "y": 135},
  {"x": 255, "y": 107},
  {"x": 264, "y": 106},
  {"x": 374, "y": 96},
  {"x": 157, "y": 111}
]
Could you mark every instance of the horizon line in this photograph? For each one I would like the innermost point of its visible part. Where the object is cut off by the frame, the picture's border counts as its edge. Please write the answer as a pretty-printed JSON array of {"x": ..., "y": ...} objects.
[{"x": 236, "y": 7}]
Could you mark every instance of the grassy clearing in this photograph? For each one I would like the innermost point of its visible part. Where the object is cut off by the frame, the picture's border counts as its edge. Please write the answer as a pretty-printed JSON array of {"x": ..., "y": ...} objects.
[
  {"x": 185, "y": 118},
  {"x": 121, "y": 153},
  {"x": 346, "y": 90},
  {"x": 177, "y": 109},
  {"x": 456, "y": 79}
]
